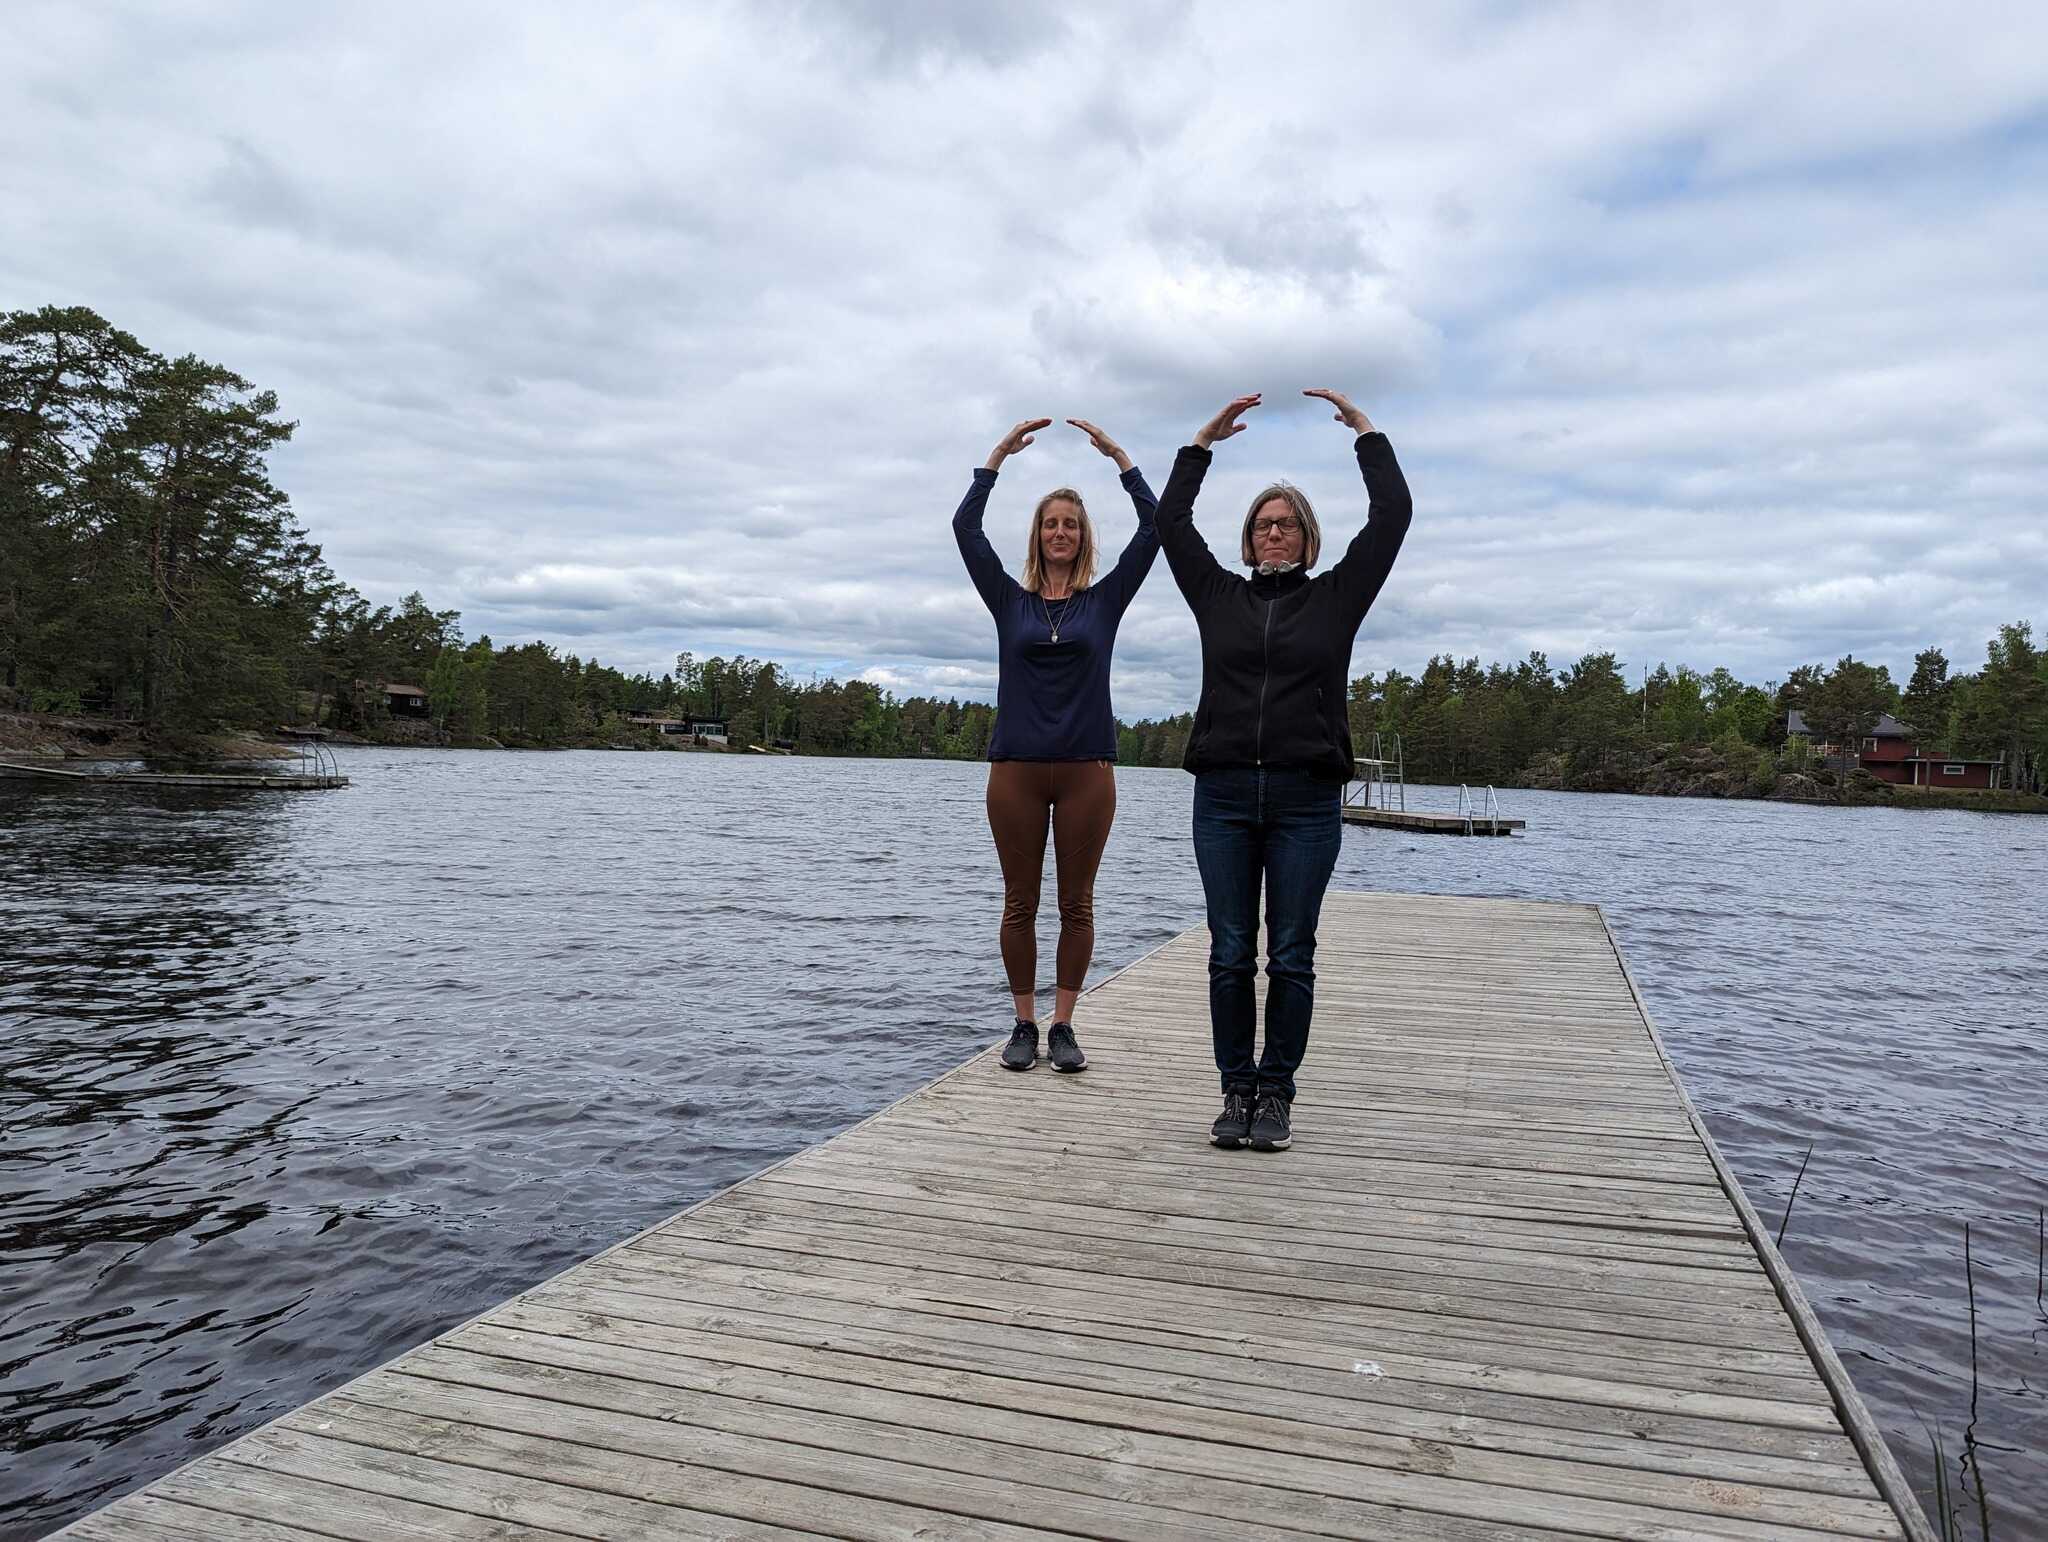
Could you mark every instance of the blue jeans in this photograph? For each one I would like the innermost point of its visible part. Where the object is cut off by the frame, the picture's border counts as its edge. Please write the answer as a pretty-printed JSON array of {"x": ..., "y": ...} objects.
[{"x": 1283, "y": 829}]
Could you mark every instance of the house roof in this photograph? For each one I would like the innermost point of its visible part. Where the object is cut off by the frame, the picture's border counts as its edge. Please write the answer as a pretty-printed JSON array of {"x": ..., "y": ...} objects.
[
  {"x": 403, "y": 690},
  {"x": 1888, "y": 727}
]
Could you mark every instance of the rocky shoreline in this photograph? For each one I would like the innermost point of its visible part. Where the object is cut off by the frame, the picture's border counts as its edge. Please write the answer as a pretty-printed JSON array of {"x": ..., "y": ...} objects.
[
  {"x": 1704, "y": 771},
  {"x": 44, "y": 736}
]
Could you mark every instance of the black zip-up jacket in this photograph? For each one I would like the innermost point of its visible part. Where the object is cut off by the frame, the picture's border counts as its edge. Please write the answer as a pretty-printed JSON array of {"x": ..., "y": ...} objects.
[{"x": 1276, "y": 647}]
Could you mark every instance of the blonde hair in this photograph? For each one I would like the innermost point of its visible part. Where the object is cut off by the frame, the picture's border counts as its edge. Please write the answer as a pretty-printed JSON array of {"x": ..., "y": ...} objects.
[
  {"x": 1084, "y": 559},
  {"x": 1297, "y": 500}
]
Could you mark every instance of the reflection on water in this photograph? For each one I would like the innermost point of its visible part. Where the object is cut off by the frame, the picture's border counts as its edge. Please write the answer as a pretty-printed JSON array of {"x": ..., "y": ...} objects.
[{"x": 288, "y": 1084}]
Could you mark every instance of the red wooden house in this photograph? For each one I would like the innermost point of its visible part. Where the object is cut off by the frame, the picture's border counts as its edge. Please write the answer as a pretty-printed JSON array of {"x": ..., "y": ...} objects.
[{"x": 1890, "y": 754}]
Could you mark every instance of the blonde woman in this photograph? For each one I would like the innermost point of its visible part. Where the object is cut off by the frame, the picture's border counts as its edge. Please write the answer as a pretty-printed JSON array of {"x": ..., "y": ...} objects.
[{"x": 1055, "y": 736}]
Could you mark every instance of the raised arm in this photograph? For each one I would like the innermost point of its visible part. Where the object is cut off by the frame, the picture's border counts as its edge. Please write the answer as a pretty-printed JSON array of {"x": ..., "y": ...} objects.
[
  {"x": 983, "y": 565},
  {"x": 1365, "y": 564},
  {"x": 1128, "y": 576},
  {"x": 1195, "y": 568}
]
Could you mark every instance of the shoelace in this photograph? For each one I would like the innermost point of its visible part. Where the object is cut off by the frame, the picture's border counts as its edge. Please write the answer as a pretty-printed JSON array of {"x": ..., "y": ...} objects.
[
  {"x": 1237, "y": 1106},
  {"x": 1274, "y": 1106},
  {"x": 1023, "y": 1033}
]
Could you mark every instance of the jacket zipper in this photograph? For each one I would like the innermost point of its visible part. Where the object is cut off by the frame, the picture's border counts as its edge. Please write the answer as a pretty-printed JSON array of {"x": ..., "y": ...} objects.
[{"x": 1265, "y": 674}]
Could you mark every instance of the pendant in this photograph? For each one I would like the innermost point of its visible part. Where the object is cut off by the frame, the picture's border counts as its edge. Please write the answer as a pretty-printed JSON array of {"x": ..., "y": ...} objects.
[{"x": 1055, "y": 634}]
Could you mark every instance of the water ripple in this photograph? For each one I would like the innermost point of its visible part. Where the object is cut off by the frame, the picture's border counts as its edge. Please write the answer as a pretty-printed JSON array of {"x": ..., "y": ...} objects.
[{"x": 287, "y": 1085}]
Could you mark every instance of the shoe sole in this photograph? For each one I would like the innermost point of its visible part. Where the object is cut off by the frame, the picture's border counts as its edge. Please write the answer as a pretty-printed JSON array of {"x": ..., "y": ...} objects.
[
  {"x": 1007, "y": 1066},
  {"x": 1225, "y": 1142},
  {"x": 1271, "y": 1145},
  {"x": 1070, "y": 1069}
]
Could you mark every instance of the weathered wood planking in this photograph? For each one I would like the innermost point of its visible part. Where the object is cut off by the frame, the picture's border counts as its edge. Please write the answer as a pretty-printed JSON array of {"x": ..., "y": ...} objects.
[
  {"x": 1432, "y": 824},
  {"x": 276, "y": 781},
  {"x": 1503, "y": 1287}
]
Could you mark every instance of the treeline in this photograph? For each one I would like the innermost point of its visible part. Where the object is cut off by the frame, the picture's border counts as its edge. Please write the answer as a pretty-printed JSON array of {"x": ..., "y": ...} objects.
[
  {"x": 1530, "y": 724},
  {"x": 150, "y": 569},
  {"x": 531, "y": 696}
]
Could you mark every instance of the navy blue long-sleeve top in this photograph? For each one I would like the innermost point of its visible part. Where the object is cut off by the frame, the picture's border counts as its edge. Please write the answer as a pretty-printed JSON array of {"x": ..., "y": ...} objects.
[{"x": 1052, "y": 698}]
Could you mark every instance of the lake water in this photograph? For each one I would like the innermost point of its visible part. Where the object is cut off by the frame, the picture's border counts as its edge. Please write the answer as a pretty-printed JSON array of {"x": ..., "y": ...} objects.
[{"x": 290, "y": 1083}]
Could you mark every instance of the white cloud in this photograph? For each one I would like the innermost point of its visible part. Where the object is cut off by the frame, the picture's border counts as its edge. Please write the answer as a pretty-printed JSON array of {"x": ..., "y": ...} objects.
[{"x": 1704, "y": 336}]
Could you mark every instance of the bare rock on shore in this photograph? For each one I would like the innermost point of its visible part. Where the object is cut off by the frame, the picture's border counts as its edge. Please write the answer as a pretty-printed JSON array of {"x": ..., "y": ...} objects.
[
  {"x": 413, "y": 731},
  {"x": 1795, "y": 787},
  {"x": 43, "y": 736},
  {"x": 1697, "y": 772}
]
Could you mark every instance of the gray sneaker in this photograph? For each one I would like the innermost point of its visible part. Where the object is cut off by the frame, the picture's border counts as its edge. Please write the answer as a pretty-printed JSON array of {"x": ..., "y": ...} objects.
[
  {"x": 1063, "y": 1050},
  {"x": 1021, "y": 1053}
]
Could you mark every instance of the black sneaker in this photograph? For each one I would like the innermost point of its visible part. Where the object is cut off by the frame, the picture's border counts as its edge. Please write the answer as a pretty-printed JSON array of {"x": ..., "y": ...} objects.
[
  {"x": 1233, "y": 1127},
  {"x": 1021, "y": 1053},
  {"x": 1062, "y": 1049},
  {"x": 1271, "y": 1129}
]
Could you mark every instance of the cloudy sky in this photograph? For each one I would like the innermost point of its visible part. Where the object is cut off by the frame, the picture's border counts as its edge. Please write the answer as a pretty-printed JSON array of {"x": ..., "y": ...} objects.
[{"x": 1708, "y": 335}]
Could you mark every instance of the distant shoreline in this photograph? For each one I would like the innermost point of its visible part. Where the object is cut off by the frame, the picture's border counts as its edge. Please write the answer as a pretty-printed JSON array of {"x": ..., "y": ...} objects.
[{"x": 35, "y": 737}]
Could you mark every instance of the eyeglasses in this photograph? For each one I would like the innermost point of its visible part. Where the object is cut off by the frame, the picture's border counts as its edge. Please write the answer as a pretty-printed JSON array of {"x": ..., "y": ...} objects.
[{"x": 1286, "y": 524}]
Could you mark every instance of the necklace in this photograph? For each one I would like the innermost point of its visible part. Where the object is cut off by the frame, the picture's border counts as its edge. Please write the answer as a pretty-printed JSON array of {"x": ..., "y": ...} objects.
[{"x": 1052, "y": 622}]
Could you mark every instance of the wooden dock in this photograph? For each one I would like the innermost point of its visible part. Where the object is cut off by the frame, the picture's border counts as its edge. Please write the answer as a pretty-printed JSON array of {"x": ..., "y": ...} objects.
[
  {"x": 1503, "y": 1287},
  {"x": 251, "y": 782},
  {"x": 1432, "y": 824}
]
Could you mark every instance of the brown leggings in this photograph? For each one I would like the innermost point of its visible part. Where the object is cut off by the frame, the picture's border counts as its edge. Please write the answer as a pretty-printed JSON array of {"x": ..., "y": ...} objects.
[{"x": 1081, "y": 795}]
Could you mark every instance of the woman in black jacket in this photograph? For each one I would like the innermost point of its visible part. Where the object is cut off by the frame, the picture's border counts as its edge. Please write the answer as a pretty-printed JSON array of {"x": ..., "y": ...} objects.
[{"x": 1271, "y": 748}]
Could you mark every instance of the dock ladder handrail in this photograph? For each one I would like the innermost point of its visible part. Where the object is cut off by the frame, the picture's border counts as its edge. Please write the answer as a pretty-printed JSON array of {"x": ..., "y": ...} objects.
[
  {"x": 315, "y": 759},
  {"x": 1471, "y": 810}
]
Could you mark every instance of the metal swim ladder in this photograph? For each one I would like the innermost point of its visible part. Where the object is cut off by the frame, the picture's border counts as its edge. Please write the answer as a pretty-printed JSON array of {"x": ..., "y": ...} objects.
[{"x": 1472, "y": 811}]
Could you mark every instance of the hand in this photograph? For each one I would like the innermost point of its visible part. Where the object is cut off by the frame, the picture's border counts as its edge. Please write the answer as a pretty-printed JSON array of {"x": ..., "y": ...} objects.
[
  {"x": 1225, "y": 423},
  {"x": 1014, "y": 441},
  {"x": 1347, "y": 414},
  {"x": 1103, "y": 442}
]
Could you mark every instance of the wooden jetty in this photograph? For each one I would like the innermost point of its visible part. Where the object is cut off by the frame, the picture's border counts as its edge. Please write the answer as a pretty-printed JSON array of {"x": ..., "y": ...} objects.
[
  {"x": 256, "y": 781},
  {"x": 1432, "y": 824},
  {"x": 1503, "y": 1287}
]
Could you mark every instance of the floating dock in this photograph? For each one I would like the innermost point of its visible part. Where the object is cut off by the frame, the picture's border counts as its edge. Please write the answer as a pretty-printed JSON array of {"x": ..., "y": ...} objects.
[
  {"x": 1432, "y": 824},
  {"x": 1503, "y": 1287},
  {"x": 278, "y": 781}
]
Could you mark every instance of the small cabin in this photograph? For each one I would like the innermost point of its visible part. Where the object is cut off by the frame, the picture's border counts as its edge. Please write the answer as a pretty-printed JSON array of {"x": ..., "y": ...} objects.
[
  {"x": 1889, "y": 753},
  {"x": 709, "y": 729},
  {"x": 405, "y": 701}
]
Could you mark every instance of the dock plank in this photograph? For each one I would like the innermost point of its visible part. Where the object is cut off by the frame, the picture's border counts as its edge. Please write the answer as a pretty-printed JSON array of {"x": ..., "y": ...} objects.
[{"x": 1503, "y": 1288}]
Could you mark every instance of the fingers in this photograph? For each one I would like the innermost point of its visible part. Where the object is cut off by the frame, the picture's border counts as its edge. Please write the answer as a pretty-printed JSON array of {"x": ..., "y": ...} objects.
[
  {"x": 1021, "y": 434},
  {"x": 1347, "y": 414}
]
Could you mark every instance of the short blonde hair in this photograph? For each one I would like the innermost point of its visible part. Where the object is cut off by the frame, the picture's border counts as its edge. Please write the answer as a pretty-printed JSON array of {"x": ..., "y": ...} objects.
[
  {"x": 1084, "y": 559},
  {"x": 1297, "y": 500}
]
